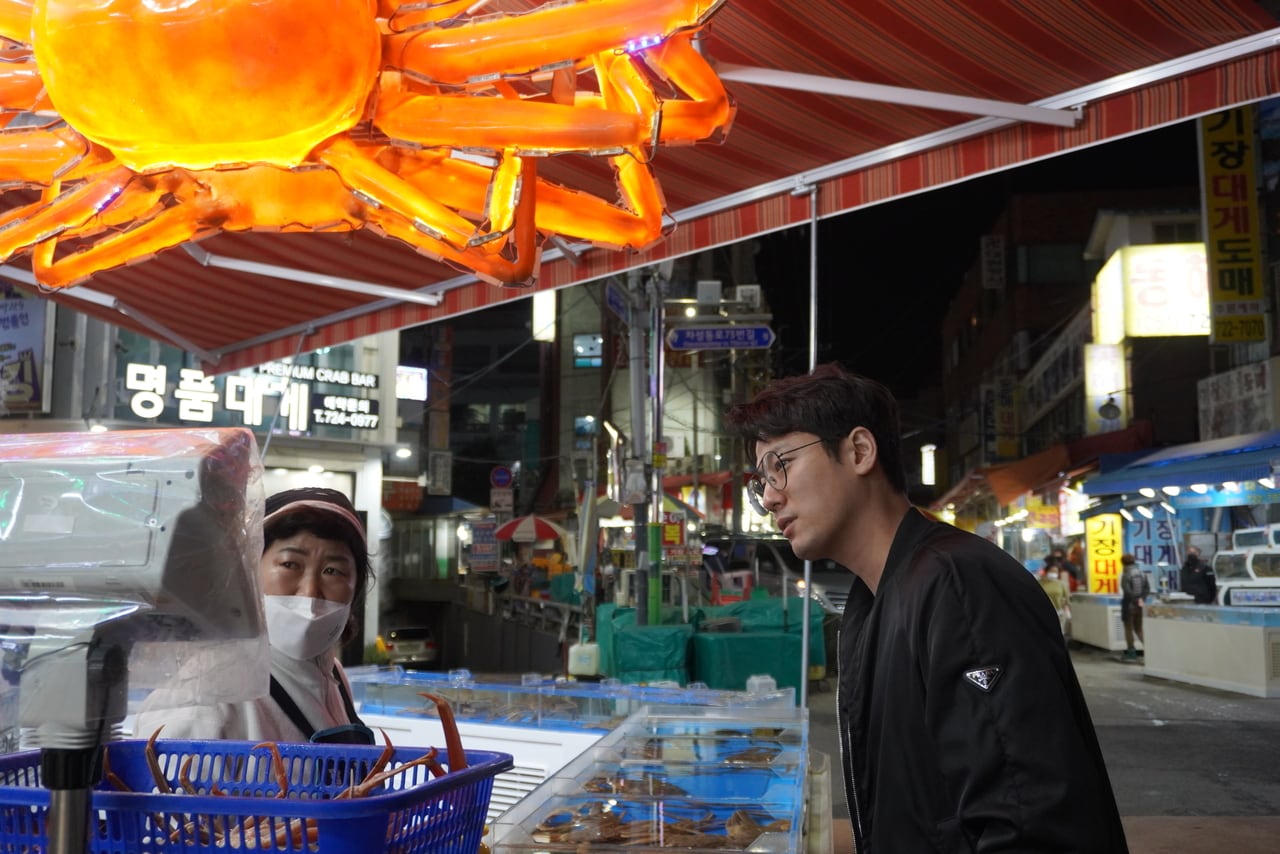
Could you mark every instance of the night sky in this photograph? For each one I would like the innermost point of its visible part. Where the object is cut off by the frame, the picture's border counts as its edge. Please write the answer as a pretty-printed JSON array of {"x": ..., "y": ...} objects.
[{"x": 883, "y": 290}]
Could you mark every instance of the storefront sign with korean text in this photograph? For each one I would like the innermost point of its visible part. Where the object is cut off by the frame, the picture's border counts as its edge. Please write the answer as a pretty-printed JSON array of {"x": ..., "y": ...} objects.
[
  {"x": 24, "y": 358},
  {"x": 1104, "y": 545},
  {"x": 1154, "y": 542},
  {"x": 208, "y": 399},
  {"x": 1233, "y": 241},
  {"x": 484, "y": 547},
  {"x": 672, "y": 529}
]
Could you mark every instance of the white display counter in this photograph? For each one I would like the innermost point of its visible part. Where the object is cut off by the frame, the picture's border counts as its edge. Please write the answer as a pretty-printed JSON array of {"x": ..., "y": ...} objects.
[
  {"x": 1096, "y": 621},
  {"x": 1233, "y": 649},
  {"x": 538, "y": 753}
]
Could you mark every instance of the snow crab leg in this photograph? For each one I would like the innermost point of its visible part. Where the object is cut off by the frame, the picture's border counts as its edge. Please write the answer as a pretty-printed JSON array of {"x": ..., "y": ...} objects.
[
  {"x": 453, "y": 741},
  {"x": 374, "y": 780}
]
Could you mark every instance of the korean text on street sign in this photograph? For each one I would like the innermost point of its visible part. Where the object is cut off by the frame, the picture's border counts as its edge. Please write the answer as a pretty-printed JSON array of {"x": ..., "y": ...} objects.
[
  {"x": 618, "y": 302},
  {"x": 720, "y": 338}
]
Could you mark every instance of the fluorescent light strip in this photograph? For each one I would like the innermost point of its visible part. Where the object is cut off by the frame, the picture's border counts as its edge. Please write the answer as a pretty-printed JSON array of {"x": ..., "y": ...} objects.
[{"x": 208, "y": 259}]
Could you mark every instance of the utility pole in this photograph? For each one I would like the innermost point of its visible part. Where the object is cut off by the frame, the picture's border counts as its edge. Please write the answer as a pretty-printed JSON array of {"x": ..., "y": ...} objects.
[
  {"x": 812, "y": 192},
  {"x": 658, "y": 457},
  {"x": 737, "y": 456},
  {"x": 635, "y": 484}
]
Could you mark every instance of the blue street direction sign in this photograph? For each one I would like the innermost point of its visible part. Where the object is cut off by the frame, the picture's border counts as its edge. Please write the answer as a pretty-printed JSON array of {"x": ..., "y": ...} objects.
[
  {"x": 618, "y": 302},
  {"x": 720, "y": 338}
]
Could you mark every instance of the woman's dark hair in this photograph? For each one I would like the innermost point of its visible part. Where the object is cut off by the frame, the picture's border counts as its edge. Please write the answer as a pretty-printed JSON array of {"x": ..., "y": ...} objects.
[
  {"x": 829, "y": 403},
  {"x": 329, "y": 515}
]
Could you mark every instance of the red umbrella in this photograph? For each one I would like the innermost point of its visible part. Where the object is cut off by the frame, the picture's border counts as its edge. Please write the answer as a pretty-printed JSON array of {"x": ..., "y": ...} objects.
[{"x": 527, "y": 529}]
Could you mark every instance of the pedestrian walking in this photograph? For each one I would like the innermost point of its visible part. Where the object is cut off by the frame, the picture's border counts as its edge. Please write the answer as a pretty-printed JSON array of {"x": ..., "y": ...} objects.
[{"x": 1135, "y": 587}]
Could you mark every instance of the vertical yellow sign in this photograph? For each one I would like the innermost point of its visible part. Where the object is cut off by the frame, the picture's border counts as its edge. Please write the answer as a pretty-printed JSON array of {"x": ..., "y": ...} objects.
[
  {"x": 1008, "y": 446},
  {"x": 1233, "y": 234},
  {"x": 1104, "y": 544}
]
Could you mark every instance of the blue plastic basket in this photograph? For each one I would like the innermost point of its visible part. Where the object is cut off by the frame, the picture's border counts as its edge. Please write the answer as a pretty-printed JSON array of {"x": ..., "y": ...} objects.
[{"x": 410, "y": 813}]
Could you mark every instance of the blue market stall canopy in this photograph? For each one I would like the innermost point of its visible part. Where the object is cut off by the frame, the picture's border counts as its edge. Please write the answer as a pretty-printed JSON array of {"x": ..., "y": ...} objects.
[{"x": 1232, "y": 458}]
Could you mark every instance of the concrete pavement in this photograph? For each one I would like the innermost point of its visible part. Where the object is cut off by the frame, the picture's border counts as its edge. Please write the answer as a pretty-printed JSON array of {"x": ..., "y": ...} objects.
[{"x": 1194, "y": 769}]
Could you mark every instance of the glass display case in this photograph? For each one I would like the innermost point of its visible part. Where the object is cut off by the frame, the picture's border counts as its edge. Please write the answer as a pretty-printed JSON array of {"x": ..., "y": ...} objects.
[
  {"x": 543, "y": 722},
  {"x": 673, "y": 778},
  {"x": 536, "y": 700}
]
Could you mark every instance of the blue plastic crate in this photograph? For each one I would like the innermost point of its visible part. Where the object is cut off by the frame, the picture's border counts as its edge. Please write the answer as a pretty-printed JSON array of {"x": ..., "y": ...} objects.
[{"x": 410, "y": 813}]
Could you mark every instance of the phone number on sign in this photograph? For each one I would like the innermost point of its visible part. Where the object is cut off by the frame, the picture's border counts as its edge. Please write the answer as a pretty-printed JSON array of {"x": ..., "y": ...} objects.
[
  {"x": 1239, "y": 329},
  {"x": 364, "y": 420}
]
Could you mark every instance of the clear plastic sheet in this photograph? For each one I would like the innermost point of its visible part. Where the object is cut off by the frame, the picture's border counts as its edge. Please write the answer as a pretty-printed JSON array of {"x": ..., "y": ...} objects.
[{"x": 128, "y": 561}]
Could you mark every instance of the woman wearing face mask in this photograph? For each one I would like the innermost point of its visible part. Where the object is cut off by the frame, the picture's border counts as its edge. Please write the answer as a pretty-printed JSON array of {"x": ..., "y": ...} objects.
[
  {"x": 1057, "y": 591},
  {"x": 314, "y": 571}
]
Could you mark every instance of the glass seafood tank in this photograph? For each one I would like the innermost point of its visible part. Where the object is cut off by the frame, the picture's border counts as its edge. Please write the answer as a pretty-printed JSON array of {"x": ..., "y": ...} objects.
[
  {"x": 673, "y": 778},
  {"x": 537, "y": 701}
]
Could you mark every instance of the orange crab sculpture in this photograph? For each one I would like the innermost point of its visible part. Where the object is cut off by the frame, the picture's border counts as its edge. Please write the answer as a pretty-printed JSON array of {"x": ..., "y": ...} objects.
[{"x": 145, "y": 124}]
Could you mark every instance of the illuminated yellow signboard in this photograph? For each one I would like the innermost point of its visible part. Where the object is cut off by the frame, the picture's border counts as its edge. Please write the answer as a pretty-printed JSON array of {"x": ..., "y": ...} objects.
[
  {"x": 1233, "y": 233},
  {"x": 1104, "y": 544},
  {"x": 1166, "y": 290},
  {"x": 1151, "y": 291}
]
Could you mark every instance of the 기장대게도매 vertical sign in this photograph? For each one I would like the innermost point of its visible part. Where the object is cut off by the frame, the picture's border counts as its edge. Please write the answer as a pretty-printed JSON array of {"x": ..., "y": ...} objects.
[{"x": 1233, "y": 238}]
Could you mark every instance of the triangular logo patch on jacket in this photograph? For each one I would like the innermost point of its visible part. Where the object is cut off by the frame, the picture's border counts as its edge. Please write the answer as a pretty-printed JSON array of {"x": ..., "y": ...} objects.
[{"x": 983, "y": 677}]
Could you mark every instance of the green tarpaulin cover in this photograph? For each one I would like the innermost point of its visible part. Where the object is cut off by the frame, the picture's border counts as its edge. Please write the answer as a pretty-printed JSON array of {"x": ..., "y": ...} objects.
[
  {"x": 652, "y": 653},
  {"x": 724, "y": 661}
]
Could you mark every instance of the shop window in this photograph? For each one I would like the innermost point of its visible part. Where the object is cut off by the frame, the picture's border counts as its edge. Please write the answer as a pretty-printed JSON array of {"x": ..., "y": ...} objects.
[
  {"x": 1187, "y": 231},
  {"x": 511, "y": 416}
]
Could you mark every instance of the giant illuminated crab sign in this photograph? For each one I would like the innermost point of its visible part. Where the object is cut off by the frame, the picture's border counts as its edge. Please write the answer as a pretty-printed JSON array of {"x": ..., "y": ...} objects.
[{"x": 144, "y": 124}]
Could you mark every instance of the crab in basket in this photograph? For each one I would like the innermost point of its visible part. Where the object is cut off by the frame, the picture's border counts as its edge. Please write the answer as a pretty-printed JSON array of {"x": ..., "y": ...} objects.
[
  {"x": 269, "y": 831},
  {"x": 133, "y": 126}
]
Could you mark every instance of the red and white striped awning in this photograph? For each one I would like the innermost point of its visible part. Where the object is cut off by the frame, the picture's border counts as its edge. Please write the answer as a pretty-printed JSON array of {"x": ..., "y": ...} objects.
[{"x": 1021, "y": 82}]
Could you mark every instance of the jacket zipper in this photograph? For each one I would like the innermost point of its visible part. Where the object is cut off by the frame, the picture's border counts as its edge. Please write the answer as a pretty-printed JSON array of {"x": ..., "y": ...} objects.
[{"x": 846, "y": 739}]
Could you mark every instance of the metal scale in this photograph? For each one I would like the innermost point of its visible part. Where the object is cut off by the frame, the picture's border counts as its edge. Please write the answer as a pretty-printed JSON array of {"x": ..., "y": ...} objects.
[{"x": 112, "y": 543}]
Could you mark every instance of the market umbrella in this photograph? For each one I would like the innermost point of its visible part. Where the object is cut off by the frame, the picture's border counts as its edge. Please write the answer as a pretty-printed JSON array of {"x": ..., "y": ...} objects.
[{"x": 527, "y": 529}]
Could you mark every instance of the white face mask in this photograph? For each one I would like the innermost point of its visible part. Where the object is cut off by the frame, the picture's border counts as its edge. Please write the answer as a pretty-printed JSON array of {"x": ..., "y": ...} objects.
[
  {"x": 1053, "y": 575},
  {"x": 302, "y": 627}
]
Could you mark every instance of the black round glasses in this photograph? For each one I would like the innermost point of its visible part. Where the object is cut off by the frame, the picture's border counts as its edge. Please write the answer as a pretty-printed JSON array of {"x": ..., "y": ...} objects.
[{"x": 772, "y": 471}]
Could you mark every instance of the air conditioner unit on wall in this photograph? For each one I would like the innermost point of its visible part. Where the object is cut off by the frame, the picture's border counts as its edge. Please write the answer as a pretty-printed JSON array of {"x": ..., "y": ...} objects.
[
  {"x": 709, "y": 292},
  {"x": 748, "y": 295}
]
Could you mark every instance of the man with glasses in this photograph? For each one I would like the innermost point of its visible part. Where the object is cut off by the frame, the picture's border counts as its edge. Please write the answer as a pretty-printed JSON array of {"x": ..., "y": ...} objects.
[{"x": 962, "y": 723}]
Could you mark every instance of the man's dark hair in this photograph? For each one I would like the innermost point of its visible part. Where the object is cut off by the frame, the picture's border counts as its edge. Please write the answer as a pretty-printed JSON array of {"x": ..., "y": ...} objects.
[{"x": 828, "y": 403}]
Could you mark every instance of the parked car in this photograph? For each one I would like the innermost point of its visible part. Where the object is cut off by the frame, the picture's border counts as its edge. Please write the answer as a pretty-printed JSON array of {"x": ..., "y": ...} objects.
[
  {"x": 770, "y": 560},
  {"x": 411, "y": 646}
]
